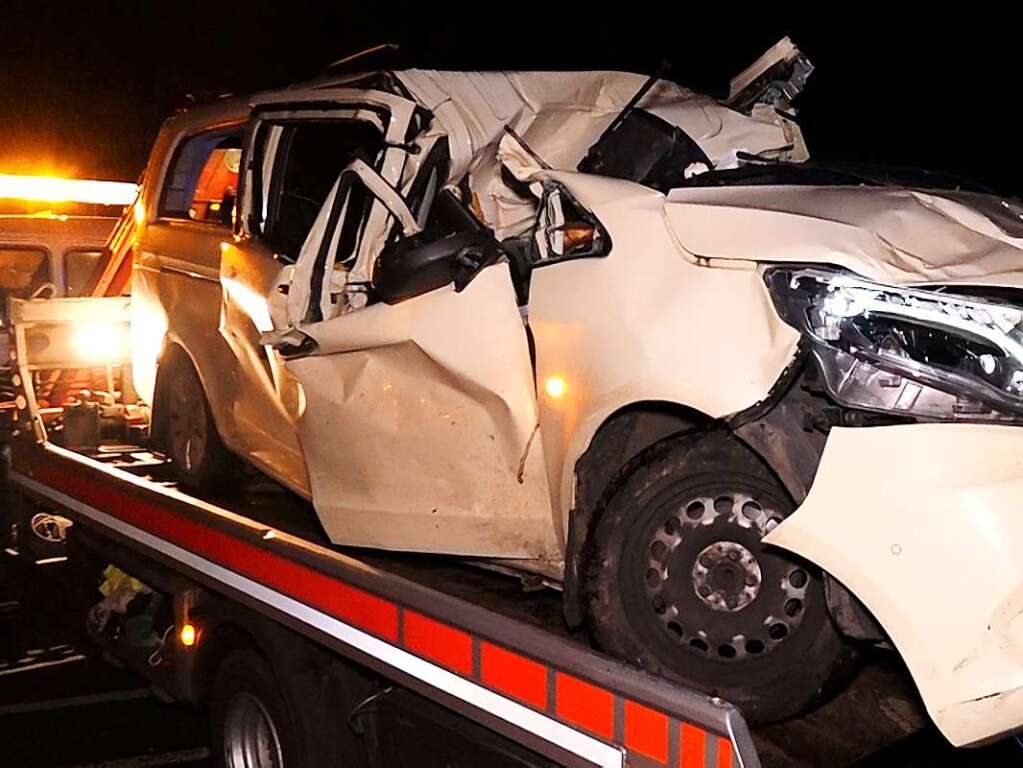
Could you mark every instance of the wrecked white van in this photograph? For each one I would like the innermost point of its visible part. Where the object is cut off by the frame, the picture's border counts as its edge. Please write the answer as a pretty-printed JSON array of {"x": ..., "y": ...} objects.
[{"x": 745, "y": 411}]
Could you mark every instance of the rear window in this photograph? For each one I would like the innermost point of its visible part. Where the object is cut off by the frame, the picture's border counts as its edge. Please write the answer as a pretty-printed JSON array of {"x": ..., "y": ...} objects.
[
  {"x": 202, "y": 182},
  {"x": 79, "y": 266},
  {"x": 22, "y": 271}
]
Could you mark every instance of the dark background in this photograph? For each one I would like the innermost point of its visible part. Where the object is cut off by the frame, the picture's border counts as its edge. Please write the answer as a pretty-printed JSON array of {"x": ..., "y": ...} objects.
[{"x": 84, "y": 86}]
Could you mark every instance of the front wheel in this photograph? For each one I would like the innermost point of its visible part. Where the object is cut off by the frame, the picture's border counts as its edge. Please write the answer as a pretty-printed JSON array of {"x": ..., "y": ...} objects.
[{"x": 677, "y": 580}]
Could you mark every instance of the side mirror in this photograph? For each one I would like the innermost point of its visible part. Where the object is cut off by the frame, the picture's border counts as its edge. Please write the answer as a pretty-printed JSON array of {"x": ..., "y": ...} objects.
[{"x": 414, "y": 265}]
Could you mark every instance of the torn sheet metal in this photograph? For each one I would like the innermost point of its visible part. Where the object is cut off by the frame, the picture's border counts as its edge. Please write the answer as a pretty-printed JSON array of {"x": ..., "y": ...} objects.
[
  {"x": 895, "y": 236},
  {"x": 931, "y": 546},
  {"x": 776, "y": 78},
  {"x": 288, "y": 105},
  {"x": 561, "y": 114},
  {"x": 558, "y": 117}
]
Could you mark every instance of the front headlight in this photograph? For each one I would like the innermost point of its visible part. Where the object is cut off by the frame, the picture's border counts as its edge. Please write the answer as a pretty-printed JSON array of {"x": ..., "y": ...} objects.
[{"x": 905, "y": 350}]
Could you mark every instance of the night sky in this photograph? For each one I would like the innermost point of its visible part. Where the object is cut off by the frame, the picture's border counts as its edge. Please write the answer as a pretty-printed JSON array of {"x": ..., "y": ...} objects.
[{"x": 84, "y": 86}]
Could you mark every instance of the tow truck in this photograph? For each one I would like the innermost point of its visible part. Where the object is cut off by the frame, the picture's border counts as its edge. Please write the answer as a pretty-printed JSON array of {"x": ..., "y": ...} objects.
[
  {"x": 304, "y": 653},
  {"x": 307, "y": 654}
]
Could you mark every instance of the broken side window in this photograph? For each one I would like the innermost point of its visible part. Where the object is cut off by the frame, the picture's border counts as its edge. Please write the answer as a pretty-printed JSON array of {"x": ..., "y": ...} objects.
[
  {"x": 452, "y": 246},
  {"x": 422, "y": 192},
  {"x": 309, "y": 157},
  {"x": 452, "y": 249}
]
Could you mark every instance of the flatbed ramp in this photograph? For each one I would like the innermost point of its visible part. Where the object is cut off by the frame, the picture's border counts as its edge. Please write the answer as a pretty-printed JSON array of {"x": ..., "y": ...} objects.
[{"x": 538, "y": 687}]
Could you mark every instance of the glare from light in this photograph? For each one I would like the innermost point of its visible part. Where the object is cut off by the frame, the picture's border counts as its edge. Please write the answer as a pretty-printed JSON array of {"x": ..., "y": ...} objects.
[
  {"x": 148, "y": 331},
  {"x": 840, "y": 304},
  {"x": 51, "y": 189},
  {"x": 555, "y": 387},
  {"x": 252, "y": 304},
  {"x": 101, "y": 342},
  {"x": 188, "y": 635}
]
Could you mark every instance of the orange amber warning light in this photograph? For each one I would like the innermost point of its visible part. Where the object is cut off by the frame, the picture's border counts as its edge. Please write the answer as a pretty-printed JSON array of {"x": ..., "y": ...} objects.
[
  {"x": 189, "y": 634},
  {"x": 52, "y": 189}
]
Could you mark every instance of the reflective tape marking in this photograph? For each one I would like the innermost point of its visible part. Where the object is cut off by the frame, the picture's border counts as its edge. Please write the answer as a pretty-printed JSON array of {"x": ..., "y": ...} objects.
[{"x": 558, "y": 734}]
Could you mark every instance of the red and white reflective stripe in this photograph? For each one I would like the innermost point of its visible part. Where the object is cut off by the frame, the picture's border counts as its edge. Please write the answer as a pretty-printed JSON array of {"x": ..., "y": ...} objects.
[
  {"x": 569, "y": 739},
  {"x": 650, "y": 737}
]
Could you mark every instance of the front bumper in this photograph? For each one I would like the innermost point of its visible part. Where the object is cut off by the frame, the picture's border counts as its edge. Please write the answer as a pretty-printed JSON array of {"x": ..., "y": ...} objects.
[{"x": 924, "y": 524}]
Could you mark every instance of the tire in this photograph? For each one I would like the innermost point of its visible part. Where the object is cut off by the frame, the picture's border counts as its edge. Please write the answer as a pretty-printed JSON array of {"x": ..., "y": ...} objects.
[
  {"x": 252, "y": 724},
  {"x": 189, "y": 434},
  {"x": 676, "y": 580}
]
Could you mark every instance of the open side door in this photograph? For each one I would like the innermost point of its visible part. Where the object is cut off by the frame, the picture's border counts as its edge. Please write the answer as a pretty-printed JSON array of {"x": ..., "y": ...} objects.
[
  {"x": 295, "y": 145},
  {"x": 420, "y": 429}
]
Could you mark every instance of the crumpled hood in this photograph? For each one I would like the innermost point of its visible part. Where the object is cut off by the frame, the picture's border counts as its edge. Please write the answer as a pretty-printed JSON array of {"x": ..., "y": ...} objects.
[{"x": 891, "y": 235}]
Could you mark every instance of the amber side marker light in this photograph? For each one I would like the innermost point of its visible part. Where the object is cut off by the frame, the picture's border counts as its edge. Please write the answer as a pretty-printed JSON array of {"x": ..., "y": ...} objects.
[
  {"x": 578, "y": 235},
  {"x": 189, "y": 634},
  {"x": 555, "y": 387}
]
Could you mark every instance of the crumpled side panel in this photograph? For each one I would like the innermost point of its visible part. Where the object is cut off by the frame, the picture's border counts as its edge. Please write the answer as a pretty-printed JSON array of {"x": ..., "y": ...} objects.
[
  {"x": 265, "y": 400},
  {"x": 420, "y": 424},
  {"x": 644, "y": 324}
]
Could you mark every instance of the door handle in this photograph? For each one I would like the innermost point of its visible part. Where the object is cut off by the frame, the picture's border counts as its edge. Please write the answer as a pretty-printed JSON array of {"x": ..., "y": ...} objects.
[{"x": 290, "y": 343}]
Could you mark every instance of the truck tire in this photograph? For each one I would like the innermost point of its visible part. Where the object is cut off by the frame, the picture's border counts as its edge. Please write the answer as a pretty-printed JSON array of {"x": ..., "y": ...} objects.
[
  {"x": 189, "y": 434},
  {"x": 676, "y": 580},
  {"x": 253, "y": 725}
]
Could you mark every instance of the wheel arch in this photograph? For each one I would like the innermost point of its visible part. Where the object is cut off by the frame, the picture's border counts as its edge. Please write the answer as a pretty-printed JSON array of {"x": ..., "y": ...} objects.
[
  {"x": 175, "y": 352},
  {"x": 170, "y": 354},
  {"x": 620, "y": 436},
  {"x": 235, "y": 628},
  {"x": 226, "y": 637},
  {"x": 739, "y": 499},
  {"x": 319, "y": 688}
]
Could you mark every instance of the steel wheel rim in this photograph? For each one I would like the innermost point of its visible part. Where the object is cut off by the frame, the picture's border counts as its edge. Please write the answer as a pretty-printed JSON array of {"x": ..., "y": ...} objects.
[
  {"x": 697, "y": 533},
  {"x": 251, "y": 739}
]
